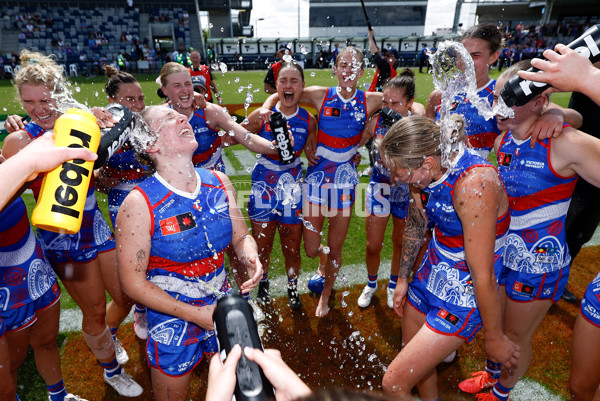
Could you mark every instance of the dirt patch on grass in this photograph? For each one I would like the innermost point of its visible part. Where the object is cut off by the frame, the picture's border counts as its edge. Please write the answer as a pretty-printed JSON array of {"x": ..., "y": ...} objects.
[{"x": 350, "y": 347}]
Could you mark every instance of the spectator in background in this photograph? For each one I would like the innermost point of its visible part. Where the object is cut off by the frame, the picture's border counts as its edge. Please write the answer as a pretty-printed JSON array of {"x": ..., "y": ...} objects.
[
  {"x": 335, "y": 52},
  {"x": 283, "y": 54},
  {"x": 422, "y": 57},
  {"x": 197, "y": 68},
  {"x": 385, "y": 64}
]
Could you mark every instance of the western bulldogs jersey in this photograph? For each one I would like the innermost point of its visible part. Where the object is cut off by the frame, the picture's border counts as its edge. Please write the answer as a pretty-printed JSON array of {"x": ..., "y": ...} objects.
[
  {"x": 208, "y": 152},
  {"x": 381, "y": 174},
  {"x": 190, "y": 232},
  {"x": 341, "y": 123},
  {"x": 276, "y": 185},
  {"x": 125, "y": 166},
  {"x": 450, "y": 278},
  {"x": 25, "y": 274},
  {"x": 94, "y": 230},
  {"x": 539, "y": 199},
  {"x": 481, "y": 132}
]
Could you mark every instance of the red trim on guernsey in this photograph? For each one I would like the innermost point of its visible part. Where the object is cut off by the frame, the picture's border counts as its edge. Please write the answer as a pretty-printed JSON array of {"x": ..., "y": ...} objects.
[
  {"x": 204, "y": 156},
  {"x": 194, "y": 269},
  {"x": 335, "y": 142},
  {"x": 483, "y": 140},
  {"x": 560, "y": 192},
  {"x": 16, "y": 232}
]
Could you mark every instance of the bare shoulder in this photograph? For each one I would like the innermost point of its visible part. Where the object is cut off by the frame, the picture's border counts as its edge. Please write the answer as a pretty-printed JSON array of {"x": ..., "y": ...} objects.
[{"x": 14, "y": 142}]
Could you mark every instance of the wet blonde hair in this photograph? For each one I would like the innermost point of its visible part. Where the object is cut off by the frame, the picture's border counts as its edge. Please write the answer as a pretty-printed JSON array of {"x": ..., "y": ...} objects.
[
  {"x": 39, "y": 69},
  {"x": 412, "y": 139},
  {"x": 170, "y": 68}
]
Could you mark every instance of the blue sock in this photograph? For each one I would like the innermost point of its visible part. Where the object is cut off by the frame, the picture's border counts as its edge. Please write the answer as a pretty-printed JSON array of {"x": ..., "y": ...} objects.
[
  {"x": 139, "y": 308},
  {"x": 111, "y": 368},
  {"x": 372, "y": 281},
  {"x": 292, "y": 282},
  {"x": 245, "y": 295},
  {"x": 393, "y": 282},
  {"x": 265, "y": 277},
  {"x": 501, "y": 392},
  {"x": 113, "y": 331},
  {"x": 56, "y": 391},
  {"x": 493, "y": 368}
]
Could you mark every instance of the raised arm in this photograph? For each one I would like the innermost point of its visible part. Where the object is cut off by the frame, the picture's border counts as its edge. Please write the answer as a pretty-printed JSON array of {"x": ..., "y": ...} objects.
[
  {"x": 479, "y": 199},
  {"x": 219, "y": 118},
  {"x": 567, "y": 71},
  {"x": 575, "y": 152},
  {"x": 133, "y": 254}
]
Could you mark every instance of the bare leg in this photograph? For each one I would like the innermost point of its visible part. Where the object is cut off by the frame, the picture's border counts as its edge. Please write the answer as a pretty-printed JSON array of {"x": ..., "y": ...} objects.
[
  {"x": 84, "y": 283},
  {"x": 585, "y": 361},
  {"x": 43, "y": 341},
  {"x": 291, "y": 237},
  {"x": 414, "y": 367},
  {"x": 121, "y": 304},
  {"x": 520, "y": 322},
  {"x": 167, "y": 388},
  {"x": 338, "y": 228},
  {"x": 8, "y": 387},
  {"x": 375, "y": 227},
  {"x": 264, "y": 234}
]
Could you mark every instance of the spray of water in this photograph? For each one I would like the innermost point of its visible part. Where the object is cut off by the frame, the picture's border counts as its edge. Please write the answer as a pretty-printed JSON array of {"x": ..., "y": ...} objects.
[{"x": 454, "y": 74}]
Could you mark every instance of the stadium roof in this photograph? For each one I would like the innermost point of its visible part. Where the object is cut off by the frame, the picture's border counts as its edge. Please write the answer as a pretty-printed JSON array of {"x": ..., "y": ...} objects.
[{"x": 494, "y": 11}]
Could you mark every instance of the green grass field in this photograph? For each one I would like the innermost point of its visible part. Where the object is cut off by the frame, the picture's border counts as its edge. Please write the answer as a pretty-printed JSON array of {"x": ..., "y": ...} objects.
[{"x": 233, "y": 86}]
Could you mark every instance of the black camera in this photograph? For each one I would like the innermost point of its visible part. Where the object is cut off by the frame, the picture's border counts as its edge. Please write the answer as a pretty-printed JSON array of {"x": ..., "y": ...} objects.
[{"x": 235, "y": 324}]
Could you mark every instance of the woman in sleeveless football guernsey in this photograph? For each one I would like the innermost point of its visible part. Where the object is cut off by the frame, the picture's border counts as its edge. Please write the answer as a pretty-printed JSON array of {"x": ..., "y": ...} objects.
[
  {"x": 122, "y": 172},
  {"x": 176, "y": 84},
  {"x": 539, "y": 182},
  {"x": 484, "y": 42},
  {"x": 29, "y": 305},
  {"x": 172, "y": 231},
  {"x": 329, "y": 188},
  {"x": 276, "y": 198},
  {"x": 454, "y": 292},
  {"x": 383, "y": 198},
  {"x": 86, "y": 261}
]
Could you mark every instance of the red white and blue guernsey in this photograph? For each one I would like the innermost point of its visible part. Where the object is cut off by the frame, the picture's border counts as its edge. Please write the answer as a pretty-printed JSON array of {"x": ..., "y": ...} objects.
[
  {"x": 276, "y": 191},
  {"x": 190, "y": 232},
  {"x": 25, "y": 274},
  {"x": 341, "y": 121},
  {"x": 445, "y": 268},
  {"x": 481, "y": 132},
  {"x": 442, "y": 289},
  {"x": 94, "y": 235},
  {"x": 124, "y": 166},
  {"x": 590, "y": 304},
  {"x": 208, "y": 153},
  {"x": 384, "y": 197},
  {"x": 539, "y": 199}
]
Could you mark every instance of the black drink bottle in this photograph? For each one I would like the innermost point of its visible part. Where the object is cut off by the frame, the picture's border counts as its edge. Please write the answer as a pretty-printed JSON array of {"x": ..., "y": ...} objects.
[
  {"x": 113, "y": 138},
  {"x": 518, "y": 91},
  {"x": 235, "y": 324},
  {"x": 282, "y": 137}
]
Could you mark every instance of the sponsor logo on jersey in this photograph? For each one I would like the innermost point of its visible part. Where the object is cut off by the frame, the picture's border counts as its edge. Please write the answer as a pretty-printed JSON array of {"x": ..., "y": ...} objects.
[
  {"x": 449, "y": 317},
  {"x": 504, "y": 159},
  {"x": 522, "y": 288},
  {"x": 176, "y": 224},
  {"x": 332, "y": 112}
]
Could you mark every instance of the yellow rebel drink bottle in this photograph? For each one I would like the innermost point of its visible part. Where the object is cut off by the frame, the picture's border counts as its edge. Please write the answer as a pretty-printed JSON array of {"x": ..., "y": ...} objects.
[{"x": 62, "y": 196}]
